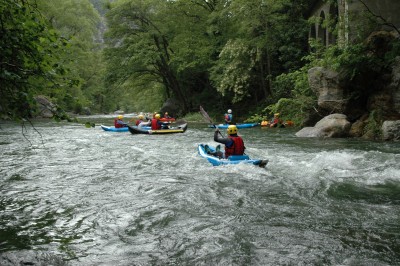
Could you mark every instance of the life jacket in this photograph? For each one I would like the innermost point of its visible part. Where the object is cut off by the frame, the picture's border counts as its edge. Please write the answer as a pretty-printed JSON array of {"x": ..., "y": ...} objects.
[
  {"x": 228, "y": 118},
  {"x": 116, "y": 123},
  {"x": 155, "y": 125},
  {"x": 289, "y": 123},
  {"x": 237, "y": 148},
  {"x": 138, "y": 122}
]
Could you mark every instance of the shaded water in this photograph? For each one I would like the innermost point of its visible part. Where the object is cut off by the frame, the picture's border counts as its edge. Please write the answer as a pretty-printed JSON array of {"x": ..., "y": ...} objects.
[{"x": 104, "y": 198}]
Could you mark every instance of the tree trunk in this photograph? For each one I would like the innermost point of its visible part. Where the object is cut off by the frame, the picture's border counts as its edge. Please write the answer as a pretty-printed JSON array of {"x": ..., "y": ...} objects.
[
  {"x": 167, "y": 74},
  {"x": 269, "y": 88}
]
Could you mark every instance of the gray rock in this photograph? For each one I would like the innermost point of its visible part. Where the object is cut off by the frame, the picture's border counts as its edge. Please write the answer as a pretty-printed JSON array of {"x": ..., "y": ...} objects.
[
  {"x": 171, "y": 106},
  {"x": 327, "y": 86},
  {"x": 46, "y": 109},
  {"x": 331, "y": 126},
  {"x": 391, "y": 130},
  {"x": 395, "y": 84}
]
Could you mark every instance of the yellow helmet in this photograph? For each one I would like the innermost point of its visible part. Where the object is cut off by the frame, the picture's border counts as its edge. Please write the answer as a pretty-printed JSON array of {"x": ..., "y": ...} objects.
[
  {"x": 140, "y": 116},
  {"x": 120, "y": 117},
  {"x": 277, "y": 114},
  {"x": 232, "y": 129},
  {"x": 157, "y": 116}
]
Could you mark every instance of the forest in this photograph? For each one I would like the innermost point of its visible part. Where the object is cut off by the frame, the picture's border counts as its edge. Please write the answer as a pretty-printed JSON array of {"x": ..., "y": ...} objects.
[{"x": 99, "y": 56}]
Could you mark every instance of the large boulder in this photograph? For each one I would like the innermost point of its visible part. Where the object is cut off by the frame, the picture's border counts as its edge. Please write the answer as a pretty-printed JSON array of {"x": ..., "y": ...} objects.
[
  {"x": 172, "y": 106},
  {"x": 379, "y": 43},
  {"x": 86, "y": 111},
  {"x": 331, "y": 126},
  {"x": 45, "y": 108},
  {"x": 357, "y": 128},
  {"x": 391, "y": 130},
  {"x": 326, "y": 84},
  {"x": 395, "y": 85}
]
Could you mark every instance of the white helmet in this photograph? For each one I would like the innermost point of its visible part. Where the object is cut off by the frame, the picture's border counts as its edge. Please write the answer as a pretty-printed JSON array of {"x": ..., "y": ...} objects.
[{"x": 229, "y": 111}]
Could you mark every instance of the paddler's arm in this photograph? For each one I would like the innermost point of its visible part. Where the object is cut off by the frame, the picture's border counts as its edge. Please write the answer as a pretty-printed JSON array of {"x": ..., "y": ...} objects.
[{"x": 226, "y": 141}]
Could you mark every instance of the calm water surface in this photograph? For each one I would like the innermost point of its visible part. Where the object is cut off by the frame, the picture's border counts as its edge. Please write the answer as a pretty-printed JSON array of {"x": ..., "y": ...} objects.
[{"x": 103, "y": 198}]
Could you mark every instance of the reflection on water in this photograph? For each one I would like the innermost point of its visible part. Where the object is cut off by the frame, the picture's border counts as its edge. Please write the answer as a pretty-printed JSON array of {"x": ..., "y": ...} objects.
[{"x": 107, "y": 198}]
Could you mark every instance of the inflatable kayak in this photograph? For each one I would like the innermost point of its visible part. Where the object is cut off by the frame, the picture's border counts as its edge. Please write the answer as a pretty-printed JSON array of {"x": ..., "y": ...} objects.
[
  {"x": 118, "y": 129},
  {"x": 287, "y": 123},
  {"x": 178, "y": 129},
  {"x": 234, "y": 159},
  {"x": 163, "y": 119},
  {"x": 248, "y": 125},
  {"x": 114, "y": 129}
]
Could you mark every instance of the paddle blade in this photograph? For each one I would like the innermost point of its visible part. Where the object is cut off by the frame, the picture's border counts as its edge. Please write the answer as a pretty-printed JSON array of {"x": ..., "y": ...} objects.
[{"x": 205, "y": 115}]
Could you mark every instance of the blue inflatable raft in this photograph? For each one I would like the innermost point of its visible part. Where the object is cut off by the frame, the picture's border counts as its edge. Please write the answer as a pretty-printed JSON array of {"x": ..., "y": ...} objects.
[
  {"x": 248, "y": 125},
  {"x": 234, "y": 159},
  {"x": 120, "y": 129}
]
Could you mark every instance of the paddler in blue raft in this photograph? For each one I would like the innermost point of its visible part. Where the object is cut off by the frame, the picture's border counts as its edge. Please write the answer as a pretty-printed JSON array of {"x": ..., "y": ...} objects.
[
  {"x": 234, "y": 144},
  {"x": 118, "y": 122},
  {"x": 228, "y": 117}
]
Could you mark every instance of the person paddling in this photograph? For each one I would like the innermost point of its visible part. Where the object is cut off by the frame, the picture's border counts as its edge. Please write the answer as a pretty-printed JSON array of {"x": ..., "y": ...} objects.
[
  {"x": 234, "y": 144},
  {"x": 167, "y": 116},
  {"x": 118, "y": 122},
  {"x": 156, "y": 124},
  {"x": 275, "y": 121},
  {"x": 139, "y": 120},
  {"x": 228, "y": 117}
]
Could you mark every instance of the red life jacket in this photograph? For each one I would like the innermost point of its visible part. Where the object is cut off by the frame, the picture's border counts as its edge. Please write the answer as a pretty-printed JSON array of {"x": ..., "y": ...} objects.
[
  {"x": 237, "y": 148},
  {"x": 116, "y": 123},
  {"x": 155, "y": 125},
  {"x": 138, "y": 122}
]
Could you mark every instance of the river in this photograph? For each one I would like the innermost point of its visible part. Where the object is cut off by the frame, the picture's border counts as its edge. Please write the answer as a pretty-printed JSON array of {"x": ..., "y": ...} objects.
[{"x": 104, "y": 198}]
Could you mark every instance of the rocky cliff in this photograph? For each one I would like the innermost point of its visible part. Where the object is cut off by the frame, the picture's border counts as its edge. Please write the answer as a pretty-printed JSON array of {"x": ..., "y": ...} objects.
[{"x": 369, "y": 101}]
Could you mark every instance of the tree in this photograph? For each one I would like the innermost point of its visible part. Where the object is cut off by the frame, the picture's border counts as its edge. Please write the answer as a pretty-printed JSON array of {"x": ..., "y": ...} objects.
[
  {"x": 28, "y": 49},
  {"x": 138, "y": 46},
  {"x": 78, "y": 22},
  {"x": 224, "y": 52},
  {"x": 269, "y": 39}
]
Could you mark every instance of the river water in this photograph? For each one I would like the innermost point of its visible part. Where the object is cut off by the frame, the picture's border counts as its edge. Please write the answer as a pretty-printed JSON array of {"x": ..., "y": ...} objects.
[{"x": 103, "y": 198}]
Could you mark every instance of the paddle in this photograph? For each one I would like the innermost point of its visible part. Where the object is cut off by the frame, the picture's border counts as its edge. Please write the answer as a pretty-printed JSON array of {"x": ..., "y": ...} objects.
[{"x": 208, "y": 119}]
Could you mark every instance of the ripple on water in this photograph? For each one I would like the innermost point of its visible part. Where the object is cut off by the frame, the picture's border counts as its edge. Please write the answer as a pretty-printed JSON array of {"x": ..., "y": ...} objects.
[{"x": 104, "y": 198}]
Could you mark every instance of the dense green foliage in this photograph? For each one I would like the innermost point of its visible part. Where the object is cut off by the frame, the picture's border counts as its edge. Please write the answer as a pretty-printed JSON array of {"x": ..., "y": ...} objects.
[
  {"x": 78, "y": 21},
  {"x": 29, "y": 57},
  {"x": 47, "y": 48},
  {"x": 248, "y": 55},
  {"x": 216, "y": 53}
]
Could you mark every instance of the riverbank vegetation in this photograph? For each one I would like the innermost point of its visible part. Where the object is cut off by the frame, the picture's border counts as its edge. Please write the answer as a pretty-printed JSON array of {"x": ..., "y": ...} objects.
[
  {"x": 98, "y": 56},
  {"x": 218, "y": 54}
]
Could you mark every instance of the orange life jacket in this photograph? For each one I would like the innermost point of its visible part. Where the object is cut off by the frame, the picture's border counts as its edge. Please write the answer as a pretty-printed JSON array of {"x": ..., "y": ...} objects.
[{"x": 237, "y": 148}]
